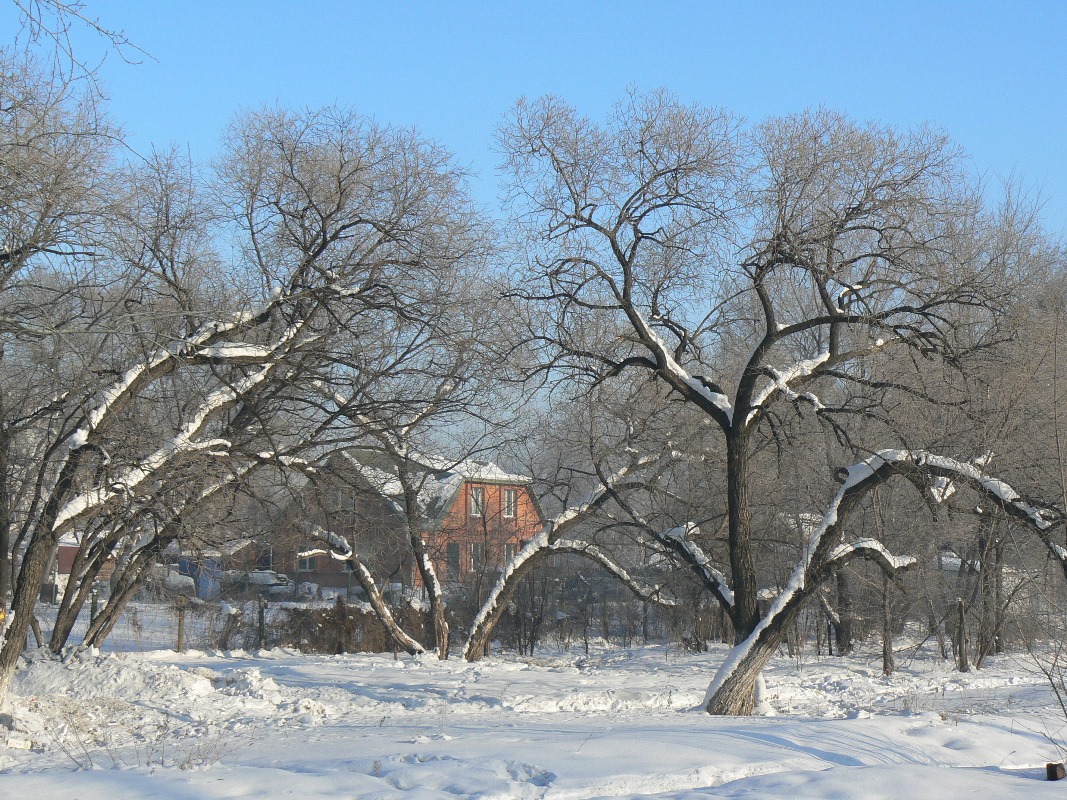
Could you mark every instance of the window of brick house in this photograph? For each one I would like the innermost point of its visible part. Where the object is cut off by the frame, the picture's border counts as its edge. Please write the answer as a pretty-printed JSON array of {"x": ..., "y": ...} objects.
[
  {"x": 477, "y": 501},
  {"x": 452, "y": 556},
  {"x": 511, "y": 502}
]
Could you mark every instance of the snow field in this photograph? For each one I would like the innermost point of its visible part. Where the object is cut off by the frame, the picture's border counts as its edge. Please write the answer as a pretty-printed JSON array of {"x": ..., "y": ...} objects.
[{"x": 618, "y": 723}]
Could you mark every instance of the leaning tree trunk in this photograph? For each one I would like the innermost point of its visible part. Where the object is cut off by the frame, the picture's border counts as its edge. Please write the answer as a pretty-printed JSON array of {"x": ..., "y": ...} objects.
[
  {"x": 129, "y": 581},
  {"x": 736, "y": 694},
  {"x": 424, "y": 564},
  {"x": 32, "y": 570},
  {"x": 88, "y": 562},
  {"x": 385, "y": 616},
  {"x": 497, "y": 602},
  {"x": 437, "y": 601}
]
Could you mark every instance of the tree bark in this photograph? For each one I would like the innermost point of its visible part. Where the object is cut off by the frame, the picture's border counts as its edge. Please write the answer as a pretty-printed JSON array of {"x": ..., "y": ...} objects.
[
  {"x": 385, "y": 616},
  {"x": 961, "y": 637},
  {"x": 745, "y": 611},
  {"x": 5, "y": 518},
  {"x": 888, "y": 663},
  {"x": 843, "y": 630}
]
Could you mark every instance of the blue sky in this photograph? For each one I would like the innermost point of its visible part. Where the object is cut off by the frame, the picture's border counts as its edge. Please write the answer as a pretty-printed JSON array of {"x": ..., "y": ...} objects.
[{"x": 992, "y": 75}]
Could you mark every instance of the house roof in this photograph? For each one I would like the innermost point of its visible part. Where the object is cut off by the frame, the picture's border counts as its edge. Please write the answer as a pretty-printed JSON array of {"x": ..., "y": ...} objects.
[
  {"x": 219, "y": 550},
  {"x": 439, "y": 482}
]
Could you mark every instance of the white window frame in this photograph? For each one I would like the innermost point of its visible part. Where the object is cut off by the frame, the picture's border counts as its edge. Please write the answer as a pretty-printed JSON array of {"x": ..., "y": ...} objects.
[
  {"x": 511, "y": 503},
  {"x": 477, "y": 501}
]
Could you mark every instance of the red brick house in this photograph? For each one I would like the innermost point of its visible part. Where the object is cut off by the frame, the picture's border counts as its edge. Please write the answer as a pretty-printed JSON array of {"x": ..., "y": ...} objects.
[
  {"x": 473, "y": 516},
  {"x": 480, "y": 519}
]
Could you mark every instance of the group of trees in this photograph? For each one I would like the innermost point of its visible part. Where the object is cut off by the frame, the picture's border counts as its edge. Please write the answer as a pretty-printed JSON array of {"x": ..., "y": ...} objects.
[{"x": 753, "y": 353}]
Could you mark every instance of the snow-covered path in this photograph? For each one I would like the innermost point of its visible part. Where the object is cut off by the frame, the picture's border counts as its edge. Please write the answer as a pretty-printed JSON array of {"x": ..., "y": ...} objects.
[{"x": 616, "y": 724}]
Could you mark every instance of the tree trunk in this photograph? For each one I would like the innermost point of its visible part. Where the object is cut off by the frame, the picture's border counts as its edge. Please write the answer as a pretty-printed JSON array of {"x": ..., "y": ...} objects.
[
  {"x": 495, "y": 605},
  {"x": 381, "y": 609},
  {"x": 745, "y": 613},
  {"x": 83, "y": 574},
  {"x": 843, "y": 630},
  {"x": 434, "y": 589},
  {"x": 733, "y": 692},
  {"x": 125, "y": 586},
  {"x": 5, "y": 518},
  {"x": 34, "y": 564},
  {"x": 736, "y": 695},
  {"x": 961, "y": 637},
  {"x": 888, "y": 663}
]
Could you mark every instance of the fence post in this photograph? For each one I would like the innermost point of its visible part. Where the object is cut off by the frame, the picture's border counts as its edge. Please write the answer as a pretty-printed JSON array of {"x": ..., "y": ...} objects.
[
  {"x": 92, "y": 605},
  {"x": 180, "y": 605},
  {"x": 262, "y": 624}
]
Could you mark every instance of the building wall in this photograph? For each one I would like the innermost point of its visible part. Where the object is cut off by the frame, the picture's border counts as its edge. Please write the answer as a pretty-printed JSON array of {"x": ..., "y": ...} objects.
[{"x": 468, "y": 544}]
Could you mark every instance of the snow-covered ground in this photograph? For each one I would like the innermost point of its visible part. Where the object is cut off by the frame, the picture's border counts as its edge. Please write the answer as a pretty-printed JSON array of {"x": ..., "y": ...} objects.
[{"x": 618, "y": 723}]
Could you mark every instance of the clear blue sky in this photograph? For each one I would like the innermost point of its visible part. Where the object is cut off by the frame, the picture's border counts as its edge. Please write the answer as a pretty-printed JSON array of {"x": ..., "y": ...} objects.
[{"x": 991, "y": 74}]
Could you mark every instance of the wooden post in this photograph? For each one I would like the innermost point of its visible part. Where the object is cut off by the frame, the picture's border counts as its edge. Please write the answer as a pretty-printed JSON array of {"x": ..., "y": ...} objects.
[
  {"x": 1055, "y": 772},
  {"x": 262, "y": 638},
  {"x": 961, "y": 635},
  {"x": 180, "y": 605}
]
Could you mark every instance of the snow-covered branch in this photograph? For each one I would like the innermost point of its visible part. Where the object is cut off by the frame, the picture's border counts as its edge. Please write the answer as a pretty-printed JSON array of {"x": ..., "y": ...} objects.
[
  {"x": 681, "y": 542},
  {"x": 551, "y": 533},
  {"x": 649, "y": 594},
  {"x": 712, "y": 396},
  {"x": 824, "y": 549},
  {"x": 872, "y": 550},
  {"x": 340, "y": 549}
]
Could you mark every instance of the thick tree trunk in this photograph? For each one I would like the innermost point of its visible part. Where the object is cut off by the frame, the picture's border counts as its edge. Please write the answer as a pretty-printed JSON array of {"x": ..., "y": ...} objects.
[
  {"x": 495, "y": 605},
  {"x": 745, "y": 612},
  {"x": 32, "y": 570},
  {"x": 888, "y": 663},
  {"x": 736, "y": 694},
  {"x": 843, "y": 630},
  {"x": 5, "y": 518},
  {"x": 430, "y": 580},
  {"x": 435, "y": 594}
]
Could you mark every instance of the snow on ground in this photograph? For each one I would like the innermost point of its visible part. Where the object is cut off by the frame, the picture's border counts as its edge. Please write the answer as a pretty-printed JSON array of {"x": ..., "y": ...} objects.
[{"x": 617, "y": 723}]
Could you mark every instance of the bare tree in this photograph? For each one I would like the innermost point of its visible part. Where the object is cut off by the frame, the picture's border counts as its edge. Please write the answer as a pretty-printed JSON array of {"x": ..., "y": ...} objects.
[
  {"x": 350, "y": 236},
  {"x": 807, "y": 264}
]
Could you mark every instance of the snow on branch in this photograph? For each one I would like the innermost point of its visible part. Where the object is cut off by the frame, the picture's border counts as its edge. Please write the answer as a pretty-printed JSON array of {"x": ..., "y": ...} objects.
[
  {"x": 205, "y": 345},
  {"x": 181, "y": 443},
  {"x": 1042, "y": 516},
  {"x": 650, "y": 594},
  {"x": 872, "y": 550},
  {"x": 694, "y": 383},
  {"x": 339, "y": 548},
  {"x": 680, "y": 540},
  {"x": 780, "y": 380},
  {"x": 783, "y": 382},
  {"x": 551, "y": 532}
]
